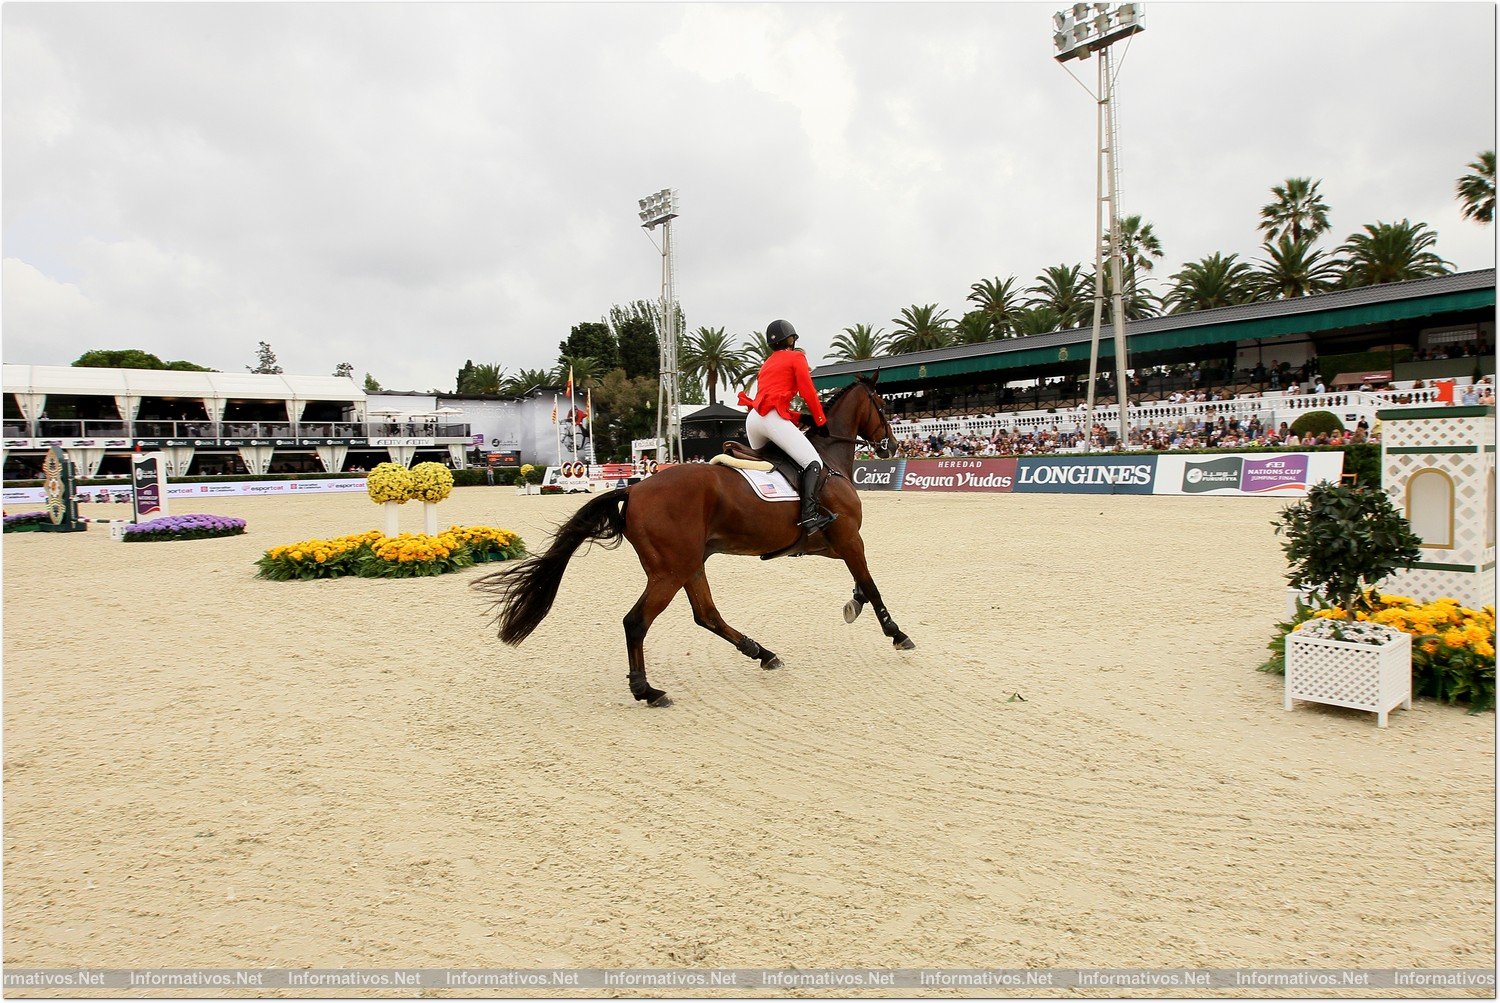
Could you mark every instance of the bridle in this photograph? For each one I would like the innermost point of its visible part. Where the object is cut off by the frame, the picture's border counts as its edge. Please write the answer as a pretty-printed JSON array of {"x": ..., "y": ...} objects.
[{"x": 885, "y": 444}]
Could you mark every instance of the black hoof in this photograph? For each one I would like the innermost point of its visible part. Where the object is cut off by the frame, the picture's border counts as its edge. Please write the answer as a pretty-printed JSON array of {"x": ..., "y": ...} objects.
[
  {"x": 660, "y": 700},
  {"x": 774, "y": 663},
  {"x": 904, "y": 644},
  {"x": 852, "y": 610}
]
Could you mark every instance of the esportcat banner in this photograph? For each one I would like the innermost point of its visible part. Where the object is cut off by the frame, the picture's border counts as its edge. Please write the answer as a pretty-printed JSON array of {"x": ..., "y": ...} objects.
[
  {"x": 1251, "y": 474},
  {"x": 1242, "y": 474},
  {"x": 123, "y": 491}
]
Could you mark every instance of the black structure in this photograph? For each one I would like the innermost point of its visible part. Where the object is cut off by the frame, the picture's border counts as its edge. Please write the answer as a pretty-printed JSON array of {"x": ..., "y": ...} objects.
[{"x": 705, "y": 431}]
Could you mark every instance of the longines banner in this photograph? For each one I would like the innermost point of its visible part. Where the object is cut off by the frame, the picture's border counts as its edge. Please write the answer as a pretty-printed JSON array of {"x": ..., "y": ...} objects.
[
  {"x": 1255, "y": 474},
  {"x": 1096, "y": 475}
]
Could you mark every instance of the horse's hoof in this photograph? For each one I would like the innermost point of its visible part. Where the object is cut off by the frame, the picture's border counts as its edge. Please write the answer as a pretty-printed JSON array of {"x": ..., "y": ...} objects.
[
  {"x": 905, "y": 644},
  {"x": 775, "y": 663},
  {"x": 852, "y": 610},
  {"x": 659, "y": 701}
]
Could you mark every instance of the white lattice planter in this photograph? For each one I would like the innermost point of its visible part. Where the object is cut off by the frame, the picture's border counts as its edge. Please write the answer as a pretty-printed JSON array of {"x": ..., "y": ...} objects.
[{"x": 1372, "y": 677}]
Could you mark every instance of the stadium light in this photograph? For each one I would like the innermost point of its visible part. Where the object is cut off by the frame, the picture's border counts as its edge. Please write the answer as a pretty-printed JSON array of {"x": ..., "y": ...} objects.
[
  {"x": 1079, "y": 31},
  {"x": 659, "y": 209}
]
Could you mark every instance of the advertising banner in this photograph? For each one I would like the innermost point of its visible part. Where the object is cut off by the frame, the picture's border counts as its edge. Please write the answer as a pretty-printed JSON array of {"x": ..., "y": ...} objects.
[
  {"x": 100, "y": 493},
  {"x": 878, "y": 475},
  {"x": 1099, "y": 475},
  {"x": 148, "y": 474},
  {"x": 1247, "y": 474},
  {"x": 969, "y": 473}
]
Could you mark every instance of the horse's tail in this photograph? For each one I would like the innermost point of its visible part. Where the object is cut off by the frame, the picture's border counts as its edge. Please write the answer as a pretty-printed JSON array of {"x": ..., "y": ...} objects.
[{"x": 524, "y": 592}]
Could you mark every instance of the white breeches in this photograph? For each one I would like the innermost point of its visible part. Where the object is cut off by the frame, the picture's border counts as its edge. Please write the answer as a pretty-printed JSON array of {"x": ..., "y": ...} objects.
[{"x": 763, "y": 428}]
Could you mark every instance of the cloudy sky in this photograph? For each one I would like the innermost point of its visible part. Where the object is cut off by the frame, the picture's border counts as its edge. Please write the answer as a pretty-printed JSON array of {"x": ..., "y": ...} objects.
[{"x": 406, "y": 186}]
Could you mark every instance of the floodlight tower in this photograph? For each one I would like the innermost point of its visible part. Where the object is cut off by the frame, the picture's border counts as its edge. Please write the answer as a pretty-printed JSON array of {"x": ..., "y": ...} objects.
[
  {"x": 1078, "y": 31},
  {"x": 660, "y": 209}
]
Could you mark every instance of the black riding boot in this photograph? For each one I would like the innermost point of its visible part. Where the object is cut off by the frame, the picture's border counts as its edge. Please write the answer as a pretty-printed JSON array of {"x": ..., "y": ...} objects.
[{"x": 813, "y": 517}]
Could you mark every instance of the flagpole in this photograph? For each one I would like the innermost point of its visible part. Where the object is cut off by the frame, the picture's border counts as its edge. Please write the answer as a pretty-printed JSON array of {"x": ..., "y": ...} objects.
[
  {"x": 556, "y": 430},
  {"x": 589, "y": 397},
  {"x": 572, "y": 418}
]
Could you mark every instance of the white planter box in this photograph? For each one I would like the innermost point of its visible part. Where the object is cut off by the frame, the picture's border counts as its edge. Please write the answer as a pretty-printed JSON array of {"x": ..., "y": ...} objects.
[
  {"x": 528, "y": 489},
  {"x": 1370, "y": 677}
]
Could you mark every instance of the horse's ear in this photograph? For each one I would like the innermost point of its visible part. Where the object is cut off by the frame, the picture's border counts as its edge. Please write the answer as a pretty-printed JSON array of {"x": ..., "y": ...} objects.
[{"x": 875, "y": 379}]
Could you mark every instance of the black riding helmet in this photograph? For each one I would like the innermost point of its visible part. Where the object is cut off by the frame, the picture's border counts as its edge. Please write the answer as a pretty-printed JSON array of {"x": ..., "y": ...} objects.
[{"x": 778, "y": 333}]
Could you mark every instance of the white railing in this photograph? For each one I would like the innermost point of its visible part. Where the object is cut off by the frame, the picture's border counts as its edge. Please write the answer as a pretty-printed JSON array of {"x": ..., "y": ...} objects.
[{"x": 1272, "y": 408}]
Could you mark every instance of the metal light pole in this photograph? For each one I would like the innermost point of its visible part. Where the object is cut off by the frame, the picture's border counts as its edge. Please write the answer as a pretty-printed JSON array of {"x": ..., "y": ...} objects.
[
  {"x": 660, "y": 209},
  {"x": 1079, "y": 31}
]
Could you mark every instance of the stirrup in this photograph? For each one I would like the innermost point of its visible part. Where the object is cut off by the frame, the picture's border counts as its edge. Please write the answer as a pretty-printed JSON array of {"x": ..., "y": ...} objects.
[{"x": 820, "y": 520}]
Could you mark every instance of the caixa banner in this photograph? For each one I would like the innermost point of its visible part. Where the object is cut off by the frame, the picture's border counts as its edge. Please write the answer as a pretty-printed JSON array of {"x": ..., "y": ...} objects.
[
  {"x": 878, "y": 475},
  {"x": 1099, "y": 475}
]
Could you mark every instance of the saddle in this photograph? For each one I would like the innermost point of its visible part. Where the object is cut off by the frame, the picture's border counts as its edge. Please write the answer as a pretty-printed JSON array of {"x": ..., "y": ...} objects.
[{"x": 772, "y": 457}]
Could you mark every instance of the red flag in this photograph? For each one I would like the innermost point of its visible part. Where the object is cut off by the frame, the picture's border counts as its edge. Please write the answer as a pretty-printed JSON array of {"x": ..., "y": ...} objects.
[
  {"x": 570, "y": 383},
  {"x": 554, "y": 414}
]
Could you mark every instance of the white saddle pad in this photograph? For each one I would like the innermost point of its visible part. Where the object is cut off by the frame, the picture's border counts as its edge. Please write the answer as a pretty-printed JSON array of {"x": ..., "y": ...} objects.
[{"x": 770, "y": 485}]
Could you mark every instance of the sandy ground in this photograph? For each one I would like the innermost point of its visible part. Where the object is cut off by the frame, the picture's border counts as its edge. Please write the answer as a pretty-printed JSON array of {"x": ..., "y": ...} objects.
[{"x": 204, "y": 769}]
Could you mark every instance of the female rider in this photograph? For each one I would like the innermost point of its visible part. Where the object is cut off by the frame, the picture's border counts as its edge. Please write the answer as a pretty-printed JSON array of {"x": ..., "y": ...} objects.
[{"x": 771, "y": 418}]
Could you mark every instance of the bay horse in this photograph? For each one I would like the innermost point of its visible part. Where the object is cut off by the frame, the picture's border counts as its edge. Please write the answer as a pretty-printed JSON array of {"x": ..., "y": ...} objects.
[{"x": 680, "y": 516}]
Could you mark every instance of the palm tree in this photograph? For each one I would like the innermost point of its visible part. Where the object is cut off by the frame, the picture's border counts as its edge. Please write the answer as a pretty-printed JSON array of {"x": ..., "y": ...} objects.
[
  {"x": 1138, "y": 304},
  {"x": 1210, "y": 282},
  {"x": 706, "y": 354},
  {"x": 1477, "y": 190},
  {"x": 1000, "y": 300},
  {"x": 526, "y": 379},
  {"x": 857, "y": 343},
  {"x": 1036, "y": 320},
  {"x": 1298, "y": 210},
  {"x": 1390, "y": 252},
  {"x": 1294, "y": 269},
  {"x": 485, "y": 378},
  {"x": 1138, "y": 245},
  {"x": 973, "y": 328},
  {"x": 920, "y": 328},
  {"x": 754, "y": 351},
  {"x": 585, "y": 370},
  {"x": 1065, "y": 289}
]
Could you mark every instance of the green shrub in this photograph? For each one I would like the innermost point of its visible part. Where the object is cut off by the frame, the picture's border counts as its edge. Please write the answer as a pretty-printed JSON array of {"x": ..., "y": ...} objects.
[
  {"x": 1363, "y": 460},
  {"x": 1341, "y": 541},
  {"x": 1316, "y": 423}
]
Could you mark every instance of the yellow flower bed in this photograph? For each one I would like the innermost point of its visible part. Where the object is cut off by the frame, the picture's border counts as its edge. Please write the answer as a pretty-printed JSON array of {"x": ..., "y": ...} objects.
[
  {"x": 1452, "y": 645},
  {"x": 390, "y": 482},
  {"x": 431, "y": 482},
  {"x": 372, "y": 554}
]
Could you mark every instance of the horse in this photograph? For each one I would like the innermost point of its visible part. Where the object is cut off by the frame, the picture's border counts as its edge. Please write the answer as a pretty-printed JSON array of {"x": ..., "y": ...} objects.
[{"x": 679, "y": 517}]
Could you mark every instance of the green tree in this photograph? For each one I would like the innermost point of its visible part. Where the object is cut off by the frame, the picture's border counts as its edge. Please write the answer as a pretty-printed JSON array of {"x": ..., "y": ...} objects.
[
  {"x": 624, "y": 409},
  {"x": 708, "y": 355},
  {"x": 754, "y": 351},
  {"x": 484, "y": 378},
  {"x": 1138, "y": 245},
  {"x": 594, "y": 341},
  {"x": 857, "y": 343},
  {"x": 463, "y": 375},
  {"x": 1137, "y": 303},
  {"x": 1040, "y": 319},
  {"x": 372, "y": 385},
  {"x": 525, "y": 380},
  {"x": 1210, "y": 282},
  {"x": 344, "y": 369},
  {"x": 1000, "y": 300},
  {"x": 1390, "y": 252},
  {"x": 132, "y": 358},
  {"x": 1068, "y": 291},
  {"x": 634, "y": 327},
  {"x": 1476, "y": 190},
  {"x": 1292, "y": 268},
  {"x": 1297, "y": 210},
  {"x": 921, "y": 328},
  {"x": 267, "y": 365},
  {"x": 586, "y": 372},
  {"x": 972, "y": 328}
]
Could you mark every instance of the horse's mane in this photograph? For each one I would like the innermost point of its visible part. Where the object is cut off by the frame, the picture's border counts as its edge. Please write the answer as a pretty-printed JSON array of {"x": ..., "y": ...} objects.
[{"x": 834, "y": 397}]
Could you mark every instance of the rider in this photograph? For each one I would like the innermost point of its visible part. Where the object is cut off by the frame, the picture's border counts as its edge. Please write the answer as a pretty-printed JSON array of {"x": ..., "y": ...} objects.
[{"x": 771, "y": 418}]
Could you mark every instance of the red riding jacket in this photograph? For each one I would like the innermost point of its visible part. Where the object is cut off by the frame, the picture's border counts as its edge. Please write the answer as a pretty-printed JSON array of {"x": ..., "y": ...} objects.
[{"x": 784, "y": 375}]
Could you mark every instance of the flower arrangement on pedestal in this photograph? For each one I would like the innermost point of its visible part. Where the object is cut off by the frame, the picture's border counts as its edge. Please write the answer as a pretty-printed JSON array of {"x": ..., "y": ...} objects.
[
  {"x": 389, "y": 483},
  {"x": 431, "y": 482}
]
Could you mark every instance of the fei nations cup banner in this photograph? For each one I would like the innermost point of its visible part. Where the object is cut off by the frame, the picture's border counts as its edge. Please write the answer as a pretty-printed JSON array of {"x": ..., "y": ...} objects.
[{"x": 1250, "y": 474}]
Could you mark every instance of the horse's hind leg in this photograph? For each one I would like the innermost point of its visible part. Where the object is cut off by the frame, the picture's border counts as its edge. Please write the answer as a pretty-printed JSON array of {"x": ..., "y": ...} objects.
[
  {"x": 658, "y": 595},
  {"x": 852, "y": 549},
  {"x": 706, "y": 615}
]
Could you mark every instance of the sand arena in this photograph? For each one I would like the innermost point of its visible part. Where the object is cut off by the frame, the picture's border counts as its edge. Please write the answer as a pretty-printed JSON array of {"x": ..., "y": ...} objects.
[{"x": 204, "y": 769}]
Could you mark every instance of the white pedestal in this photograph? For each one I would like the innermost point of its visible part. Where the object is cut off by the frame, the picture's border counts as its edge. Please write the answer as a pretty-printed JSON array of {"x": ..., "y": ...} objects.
[
  {"x": 392, "y": 518},
  {"x": 1370, "y": 677},
  {"x": 429, "y": 518}
]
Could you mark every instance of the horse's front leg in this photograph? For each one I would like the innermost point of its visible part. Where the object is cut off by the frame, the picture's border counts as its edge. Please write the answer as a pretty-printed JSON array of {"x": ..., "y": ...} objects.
[{"x": 851, "y": 548}]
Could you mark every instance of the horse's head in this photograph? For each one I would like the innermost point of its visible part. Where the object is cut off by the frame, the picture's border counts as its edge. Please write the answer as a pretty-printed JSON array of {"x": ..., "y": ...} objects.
[{"x": 871, "y": 422}]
